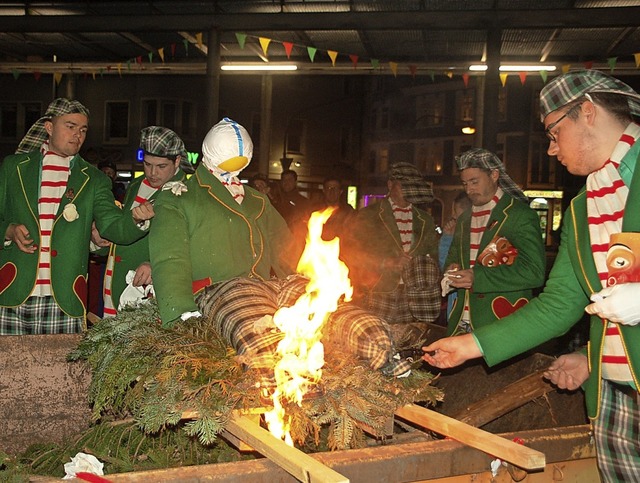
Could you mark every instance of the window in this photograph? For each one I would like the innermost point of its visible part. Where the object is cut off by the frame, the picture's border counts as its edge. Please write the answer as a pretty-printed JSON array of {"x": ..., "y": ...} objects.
[
  {"x": 294, "y": 136},
  {"x": 188, "y": 127},
  {"x": 168, "y": 119},
  {"x": 149, "y": 113},
  {"x": 117, "y": 122},
  {"x": 542, "y": 168},
  {"x": 430, "y": 110},
  {"x": 465, "y": 108},
  {"x": 429, "y": 156},
  {"x": 16, "y": 118}
]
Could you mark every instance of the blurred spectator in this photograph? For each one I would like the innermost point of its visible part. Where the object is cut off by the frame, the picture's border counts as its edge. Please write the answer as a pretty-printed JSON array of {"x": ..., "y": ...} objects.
[{"x": 117, "y": 188}]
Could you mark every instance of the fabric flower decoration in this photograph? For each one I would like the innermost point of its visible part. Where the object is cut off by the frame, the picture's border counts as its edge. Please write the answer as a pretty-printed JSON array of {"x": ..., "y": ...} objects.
[
  {"x": 176, "y": 187},
  {"x": 70, "y": 212}
]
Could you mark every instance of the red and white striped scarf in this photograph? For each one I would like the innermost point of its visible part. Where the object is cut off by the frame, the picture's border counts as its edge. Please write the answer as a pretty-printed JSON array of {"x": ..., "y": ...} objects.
[
  {"x": 606, "y": 198},
  {"x": 145, "y": 192},
  {"x": 232, "y": 183},
  {"x": 53, "y": 184},
  {"x": 404, "y": 221},
  {"x": 479, "y": 218}
]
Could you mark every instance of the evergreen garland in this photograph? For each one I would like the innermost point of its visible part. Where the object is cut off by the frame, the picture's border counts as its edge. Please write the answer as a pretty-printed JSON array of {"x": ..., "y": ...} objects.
[{"x": 146, "y": 377}]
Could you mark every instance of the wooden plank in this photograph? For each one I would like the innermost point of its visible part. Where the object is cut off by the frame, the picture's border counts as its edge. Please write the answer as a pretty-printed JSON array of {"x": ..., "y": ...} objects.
[
  {"x": 505, "y": 400},
  {"x": 496, "y": 446},
  {"x": 295, "y": 462}
]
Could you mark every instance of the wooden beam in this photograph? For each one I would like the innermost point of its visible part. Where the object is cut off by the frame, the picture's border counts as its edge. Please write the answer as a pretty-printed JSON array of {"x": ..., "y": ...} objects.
[
  {"x": 496, "y": 446},
  {"x": 295, "y": 462},
  {"x": 505, "y": 400}
]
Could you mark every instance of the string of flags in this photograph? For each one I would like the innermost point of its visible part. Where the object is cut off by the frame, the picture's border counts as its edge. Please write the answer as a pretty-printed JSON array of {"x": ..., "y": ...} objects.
[{"x": 312, "y": 52}]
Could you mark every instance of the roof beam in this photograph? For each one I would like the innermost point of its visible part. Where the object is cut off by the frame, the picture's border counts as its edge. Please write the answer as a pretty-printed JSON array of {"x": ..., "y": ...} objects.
[{"x": 436, "y": 20}]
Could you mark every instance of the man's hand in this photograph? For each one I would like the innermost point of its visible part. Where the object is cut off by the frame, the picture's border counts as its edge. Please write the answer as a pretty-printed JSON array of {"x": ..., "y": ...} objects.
[
  {"x": 461, "y": 278},
  {"x": 143, "y": 275},
  {"x": 568, "y": 371},
  {"x": 143, "y": 212},
  {"x": 449, "y": 227},
  {"x": 96, "y": 238},
  {"x": 19, "y": 235},
  {"x": 617, "y": 303},
  {"x": 451, "y": 351}
]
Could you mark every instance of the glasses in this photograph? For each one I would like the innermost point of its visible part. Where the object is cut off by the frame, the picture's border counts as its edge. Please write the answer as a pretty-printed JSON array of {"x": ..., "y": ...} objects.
[{"x": 547, "y": 130}]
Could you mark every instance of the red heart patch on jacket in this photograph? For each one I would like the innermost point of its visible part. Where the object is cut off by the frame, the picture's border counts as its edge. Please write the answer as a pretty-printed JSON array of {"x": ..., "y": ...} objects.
[
  {"x": 502, "y": 307},
  {"x": 80, "y": 289},
  {"x": 7, "y": 275}
]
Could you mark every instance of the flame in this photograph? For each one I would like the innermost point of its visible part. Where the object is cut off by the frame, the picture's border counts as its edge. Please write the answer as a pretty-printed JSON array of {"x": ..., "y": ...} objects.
[{"x": 300, "y": 354}]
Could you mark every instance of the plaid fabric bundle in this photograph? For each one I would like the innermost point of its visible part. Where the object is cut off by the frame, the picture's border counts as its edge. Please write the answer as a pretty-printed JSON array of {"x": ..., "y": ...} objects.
[
  {"x": 241, "y": 309},
  {"x": 483, "y": 159},
  {"x": 573, "y": 85},
  {"x": 415, "y": 189},
  {"x": 162, "y": 142},
  {"x": 37, "y": 133},
  {"x": 38, "y": 315}
]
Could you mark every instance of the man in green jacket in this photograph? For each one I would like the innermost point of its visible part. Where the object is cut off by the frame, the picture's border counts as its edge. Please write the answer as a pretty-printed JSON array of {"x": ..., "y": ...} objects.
[
  {"x": 164, "y": 153},
  {"x": 497, "y": 255},
  {"x": 49, "y": 197},
  {"x": 589, "y": 120}
]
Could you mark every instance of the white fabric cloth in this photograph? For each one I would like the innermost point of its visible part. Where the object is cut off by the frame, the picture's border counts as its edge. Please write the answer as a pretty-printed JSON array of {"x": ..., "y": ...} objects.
[{"x": 133, "y": 296}]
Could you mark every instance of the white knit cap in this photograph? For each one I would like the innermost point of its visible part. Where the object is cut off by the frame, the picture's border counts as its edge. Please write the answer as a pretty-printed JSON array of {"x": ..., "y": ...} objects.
[{"x": 227, "y": 147}]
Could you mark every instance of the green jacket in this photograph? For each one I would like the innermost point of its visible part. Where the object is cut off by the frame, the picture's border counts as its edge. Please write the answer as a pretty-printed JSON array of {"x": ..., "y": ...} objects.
[
  {"x": 572, "y": 280},
  {"x": 90, "y": 190},
  {"x": 499, "y": 291},
  {"x": 129, "y": 257},
  {"x": 377, "y": 237},
  {"x": 204, "y": 236}
]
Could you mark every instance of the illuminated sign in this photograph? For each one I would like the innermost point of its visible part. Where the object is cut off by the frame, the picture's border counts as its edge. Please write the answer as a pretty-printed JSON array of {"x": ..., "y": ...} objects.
[
  {"x": 192, "y": 157},
  {"x": 543, "y": 194}
]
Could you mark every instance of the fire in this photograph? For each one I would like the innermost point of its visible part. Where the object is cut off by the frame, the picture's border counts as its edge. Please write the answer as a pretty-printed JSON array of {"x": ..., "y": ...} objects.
[{"x": 300, "y": 354}]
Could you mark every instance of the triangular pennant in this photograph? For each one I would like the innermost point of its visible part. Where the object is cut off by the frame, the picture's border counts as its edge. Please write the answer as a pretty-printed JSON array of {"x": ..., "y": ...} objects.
[
  {"x": 15, "y": 73},
  {"x": 503, "y": 79},
  {"x": 432, "y": 74},
  {"x": 242, "y": 38},
  {"x": 37, "y": 75},
  {"x": 173, "y": 50},
  {"x": 150, "y": 55},
  {"x": 185, "y": 42},
  {"x": 139, "y": 59},
  {"x": 637, "y": 57},
  {"x": 375, "y": 63},
  {"x": 264, "y": 43},
  {"x": 101, "y": 72},
  {"x": 612, "y": 63},
  {"x": 57, "y": 76},
  {"x": 354, "y": 60},
  {"x": 449, "y": 74},
  {"x": 523, "y": 77},
  {"x": 465, "y": 79},
  {"x": 333, "y": 55},
  {"x": 394, "y": 68},
  {"x": 199, "y": 40},
  {"x": 288, "y": 47},
  {"x": 128, "y": 64},
  {"x": 413, "y": 69},
  {"x": 119, "y": 66},
  {"x": 312, "y": 52},
  {"x": 565, "y": 68},
  {"x": 543, "y": 74},
  {"x": 588, "y": 64},
  {"x": 93, "y": 74},
  {"x": 161, "y": 54}
]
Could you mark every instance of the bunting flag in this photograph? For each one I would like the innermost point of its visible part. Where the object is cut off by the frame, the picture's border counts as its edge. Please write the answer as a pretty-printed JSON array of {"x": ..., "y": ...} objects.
[
  {"x": 432, "y": 74},
  {"x": 173, "y": 50},
  {"x": 354, "y": 60},
  {"x": 139, "y": 60},
  {"x": 612, "y": 63},
  {"x": 523, "y": 77},
  {"x": 543, "y": 75},
  {"x": 128, "y": 65},
  {"x": 199, "y": 40},
  {"x": 637, "y": 57},
  {"x": 150, "y": 55},
  {"x": 465, "y": 79},
  {"x": 503, "y": 78},
  {"x": 449, "y": 74},
  {"x": 565, "y": 68},
  {"x": 119, "y": 66},
  {"x": 161, "y": 54},
  {"x": 101, "y": 72},
  {"x": 57, "y": 76},
  {"x": 288, "y": 47},
  {"x": 412, "y": 70},
  {"x": 312, "y": 52},
  {"x": 375, "y": 63},
  {"x": 264, "y": 43},
  {"x": 15, "y": 73},
  {"x": 394, "y": 68},
  {"x": 186, "y": 47},
  {"x": 93, "y": 74},
  {"x": 588, "y": 64},
  {"x": 37, "y": 74},
  {"x": 241, "y": 38},
  {"x": 332, "y": 55}
]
